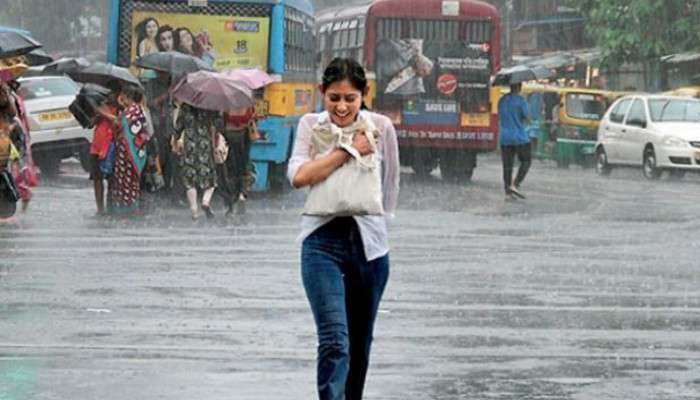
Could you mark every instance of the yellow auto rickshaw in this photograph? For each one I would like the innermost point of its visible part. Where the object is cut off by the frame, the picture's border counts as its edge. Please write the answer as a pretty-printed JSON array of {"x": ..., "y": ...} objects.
[{"x": 565, "y": 121}]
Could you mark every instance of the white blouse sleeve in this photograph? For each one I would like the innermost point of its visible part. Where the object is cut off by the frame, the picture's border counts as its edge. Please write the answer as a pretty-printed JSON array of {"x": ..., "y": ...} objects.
[
  {"x": 390, "y": 167},
  {"x": 302, "y": 146}
]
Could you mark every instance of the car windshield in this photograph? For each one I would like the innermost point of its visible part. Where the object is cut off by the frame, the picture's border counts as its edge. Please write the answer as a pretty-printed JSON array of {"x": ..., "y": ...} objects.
[
  {"x": 674, "y": 110},
  {"x": 42, "y": 88},
  {"x": 585, "y": 106}
]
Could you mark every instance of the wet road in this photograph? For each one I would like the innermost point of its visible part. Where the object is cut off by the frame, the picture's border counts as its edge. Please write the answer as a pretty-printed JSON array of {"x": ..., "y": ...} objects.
[{"x": 587, "y": 290}]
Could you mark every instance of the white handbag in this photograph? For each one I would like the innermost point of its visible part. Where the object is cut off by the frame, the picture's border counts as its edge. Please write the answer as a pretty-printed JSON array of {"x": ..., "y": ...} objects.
[{"x": 355, "y": 188}]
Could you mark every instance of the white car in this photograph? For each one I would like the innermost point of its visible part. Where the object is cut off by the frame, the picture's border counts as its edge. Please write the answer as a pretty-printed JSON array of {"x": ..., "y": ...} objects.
[
  {"x": 56, "y": 134},
  {"x": 654, "y": 132}
]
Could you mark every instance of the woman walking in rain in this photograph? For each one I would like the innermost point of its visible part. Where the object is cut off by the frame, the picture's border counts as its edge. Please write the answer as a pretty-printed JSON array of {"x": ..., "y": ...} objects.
[
  {"x": 130, "y": 154},
  {"x": 13, "y": 109},
  {"x": 344, "y": 259},
  {"x": 237, "y": 131},
  {"x": 194, "y": 131}
]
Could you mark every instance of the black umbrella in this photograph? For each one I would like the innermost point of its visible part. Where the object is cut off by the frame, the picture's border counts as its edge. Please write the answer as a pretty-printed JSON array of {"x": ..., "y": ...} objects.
[
  {"x": 13, "y": 44},
  {"x": 65, "y": 65},
  {"x": 102, "y": 74},
  {"x": 174, "y": 63},
  {"x": 519, "y": 74},
  {"x": 86, "y": 102},
  {"x": 38, "y": 57}
]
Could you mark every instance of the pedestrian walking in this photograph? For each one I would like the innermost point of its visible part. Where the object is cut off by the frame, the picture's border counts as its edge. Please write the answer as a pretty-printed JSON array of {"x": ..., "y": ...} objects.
[
  {"x": 344, "y": 258},
  {"x": 130, "y": 154},
  {"x": 195, "y": 129},
  {"x": 102, "y": 144},
  {"x": 237, "y": 132},
  {"x": 513, "y": 115},
  {"x": 12, "y": 108}
]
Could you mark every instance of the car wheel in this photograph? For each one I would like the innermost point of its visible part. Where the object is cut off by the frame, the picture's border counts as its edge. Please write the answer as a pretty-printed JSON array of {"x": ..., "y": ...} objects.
[
  {"x": 649, "y": 165},
  {"x": 602, "y": 167}
]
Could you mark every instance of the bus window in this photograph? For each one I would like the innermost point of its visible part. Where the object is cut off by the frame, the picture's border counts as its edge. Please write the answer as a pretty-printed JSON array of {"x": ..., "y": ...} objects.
[{"x": 352, "y": 39}]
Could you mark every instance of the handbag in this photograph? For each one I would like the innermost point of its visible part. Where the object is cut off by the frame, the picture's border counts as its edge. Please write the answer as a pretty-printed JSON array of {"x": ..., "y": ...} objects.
[
  {"x": 355, "y": 188},
  {"x": 253, "y": 133},
  {"x": 221, "y": 149},
  {"x": 8, "y": 189}
]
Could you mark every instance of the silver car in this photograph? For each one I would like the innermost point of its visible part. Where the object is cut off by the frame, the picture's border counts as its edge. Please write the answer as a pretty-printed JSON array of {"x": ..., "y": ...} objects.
[
  {"x": 655, "y": 132},
  {"x": 56, "y": 134}
]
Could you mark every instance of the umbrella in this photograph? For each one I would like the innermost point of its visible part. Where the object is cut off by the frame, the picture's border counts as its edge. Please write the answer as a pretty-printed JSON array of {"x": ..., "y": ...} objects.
[
  {"x": 213, "y": 91},
  {"x": 38, "y": 57},
  {"x": 86, "y": 102},
  {"x": 14, "y": 44},
  {"x": 253, "y": 78},
  {"x": 12, "y": 72},
  {"x": 519, "y": 74},
  {"x": 174, "y": 63},
  {"x": 65, "y": 65},
  {"x": 102, "y": 73}
]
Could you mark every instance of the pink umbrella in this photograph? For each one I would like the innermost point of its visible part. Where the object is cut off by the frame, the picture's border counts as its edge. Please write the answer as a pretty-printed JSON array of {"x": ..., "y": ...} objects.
[
  {"x": 254, "y": 78},
  {"x": 213, "y": 91}
]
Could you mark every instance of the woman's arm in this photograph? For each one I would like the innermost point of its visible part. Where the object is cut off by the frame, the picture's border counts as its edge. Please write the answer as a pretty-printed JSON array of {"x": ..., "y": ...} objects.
[
  {"x": 303, "y": 170},
  {"x": 315, "y": 171}
]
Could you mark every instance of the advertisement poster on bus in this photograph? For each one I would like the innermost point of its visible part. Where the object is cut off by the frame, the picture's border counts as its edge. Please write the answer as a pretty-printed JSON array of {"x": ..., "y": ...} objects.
[
  {"x": 432, "y": 69},
  {"x": 224, "y": 42}
]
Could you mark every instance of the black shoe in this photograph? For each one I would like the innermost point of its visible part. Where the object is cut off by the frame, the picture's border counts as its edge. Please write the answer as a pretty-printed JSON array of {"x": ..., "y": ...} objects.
[
  {"x": 515, "y": 192},
  {"x": 207, "y": 210},
  {"x": 510, "y": 197}
]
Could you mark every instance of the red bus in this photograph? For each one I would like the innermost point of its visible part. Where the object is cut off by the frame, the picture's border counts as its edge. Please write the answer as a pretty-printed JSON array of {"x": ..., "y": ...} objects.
[{"x": 433, "y": 61}]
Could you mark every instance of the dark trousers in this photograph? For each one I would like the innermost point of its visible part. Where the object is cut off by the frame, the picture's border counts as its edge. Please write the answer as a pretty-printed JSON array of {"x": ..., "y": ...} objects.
[
  {"x": 232, "y": 173},
  {"x": 344, "y": 290},
  {"x": 508, "y": 154}
]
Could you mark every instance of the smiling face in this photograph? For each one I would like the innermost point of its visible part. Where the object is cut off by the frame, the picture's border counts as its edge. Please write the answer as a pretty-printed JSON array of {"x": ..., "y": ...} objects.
[
  {"x": 165, "y": 40},
  {"x": 151, "y": 29},
  {"x": 343, "y": 102}
]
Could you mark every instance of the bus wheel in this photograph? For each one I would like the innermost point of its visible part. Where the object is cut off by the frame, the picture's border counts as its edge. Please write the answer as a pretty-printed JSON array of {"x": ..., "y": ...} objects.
[
  {"x": 457, "y": 165},
  {"x": 423, "y": 162}
]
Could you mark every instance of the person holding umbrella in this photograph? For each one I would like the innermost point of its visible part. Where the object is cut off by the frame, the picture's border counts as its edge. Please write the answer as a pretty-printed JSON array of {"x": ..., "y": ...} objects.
[
  {"x": 513, "y": 115},
  {"x": 130, "y": 153},
  {"x": 240, "y": 127},
  {"x": 194, "y": 131},
  {"x": 204, "y": 96}
]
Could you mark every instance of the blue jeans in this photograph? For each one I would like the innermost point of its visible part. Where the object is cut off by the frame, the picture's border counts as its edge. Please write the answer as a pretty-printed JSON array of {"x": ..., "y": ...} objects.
[{"x": 344, "y": 290}]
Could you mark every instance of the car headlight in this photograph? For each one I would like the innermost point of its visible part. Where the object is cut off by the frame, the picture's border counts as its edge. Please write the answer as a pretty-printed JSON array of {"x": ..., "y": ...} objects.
[{"x": 675, "y": 142}]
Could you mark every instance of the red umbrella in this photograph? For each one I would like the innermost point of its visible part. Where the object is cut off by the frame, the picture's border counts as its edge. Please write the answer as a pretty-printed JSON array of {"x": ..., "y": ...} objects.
[
  {"x": 213, "y": 91},
  {"x": 254, "y": 78}
]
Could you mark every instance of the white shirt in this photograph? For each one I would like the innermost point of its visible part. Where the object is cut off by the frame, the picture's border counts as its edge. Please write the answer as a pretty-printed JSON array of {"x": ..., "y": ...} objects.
[{"x": 373, "y": 228}]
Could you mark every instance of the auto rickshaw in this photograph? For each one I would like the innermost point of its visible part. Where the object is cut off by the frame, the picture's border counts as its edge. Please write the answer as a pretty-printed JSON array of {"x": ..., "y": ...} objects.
[
  {"x": 565, "y": 121},
  {"x": 685, "y": 91}
]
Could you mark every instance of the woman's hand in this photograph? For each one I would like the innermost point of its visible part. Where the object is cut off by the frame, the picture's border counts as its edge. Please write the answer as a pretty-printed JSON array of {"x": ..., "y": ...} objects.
[{"x": 362, "y": 144}]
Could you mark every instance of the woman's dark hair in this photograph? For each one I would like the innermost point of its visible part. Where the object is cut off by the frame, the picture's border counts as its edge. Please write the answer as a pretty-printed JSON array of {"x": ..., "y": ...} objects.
[
  {"x": 340, "y": 69},
  {"x": 196, "y": 48},
  {"x": 162, "y": 30},
  {"x": 133, "y": 92},
  {"x": 141, "y": 28},
  {"x": 345, "y": 68}
]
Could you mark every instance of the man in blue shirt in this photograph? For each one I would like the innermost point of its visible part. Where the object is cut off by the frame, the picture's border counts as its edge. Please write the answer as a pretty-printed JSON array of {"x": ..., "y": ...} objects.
[{"x": 513, "y": 115}]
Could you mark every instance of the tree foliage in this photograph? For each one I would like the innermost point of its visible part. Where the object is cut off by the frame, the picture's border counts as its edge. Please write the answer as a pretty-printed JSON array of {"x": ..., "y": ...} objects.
[
  {"x": 55, "y": 23},
  {"x": 639, "y": 31}
]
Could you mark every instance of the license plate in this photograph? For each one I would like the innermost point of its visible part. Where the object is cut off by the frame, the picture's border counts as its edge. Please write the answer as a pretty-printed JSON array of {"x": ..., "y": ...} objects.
[
  {"x": 55, "y": 116},
  {"x": 478, "y": 119}
]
